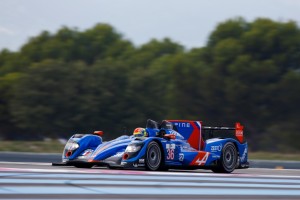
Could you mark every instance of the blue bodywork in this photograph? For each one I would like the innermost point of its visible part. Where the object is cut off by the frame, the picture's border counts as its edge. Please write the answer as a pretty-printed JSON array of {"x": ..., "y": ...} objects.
[{"x": 187, "y": 149}]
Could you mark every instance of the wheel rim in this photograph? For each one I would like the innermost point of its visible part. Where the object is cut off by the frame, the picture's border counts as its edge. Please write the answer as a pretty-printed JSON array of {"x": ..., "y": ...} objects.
[
  {"x": 153, "y": 156},
  {"x": 229, "y": 158}
]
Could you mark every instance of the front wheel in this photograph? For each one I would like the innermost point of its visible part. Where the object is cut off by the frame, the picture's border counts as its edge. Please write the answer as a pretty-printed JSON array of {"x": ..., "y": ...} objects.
[
  {"x": 228, "y": 160},
  {"x": 153, "y": 157}
]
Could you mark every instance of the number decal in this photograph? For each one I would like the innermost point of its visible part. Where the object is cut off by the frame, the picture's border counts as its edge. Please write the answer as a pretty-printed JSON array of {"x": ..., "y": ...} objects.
[
  {"x": 170, "y": 155},
  {"x": 181, "y": 157},
  {"x": 170, "y": 150}
]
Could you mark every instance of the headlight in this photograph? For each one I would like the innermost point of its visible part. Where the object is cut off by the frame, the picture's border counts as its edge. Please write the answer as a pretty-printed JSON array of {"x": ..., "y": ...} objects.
[
  {"x": 72, "y": 146},
  {"x": 133, "y": 148}
]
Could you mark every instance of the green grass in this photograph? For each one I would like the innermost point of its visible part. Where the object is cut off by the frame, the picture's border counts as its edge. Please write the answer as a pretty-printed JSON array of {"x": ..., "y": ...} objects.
[
  {"x": 55, "y": 146},
  {"x": 273, "y": 156},
  {"x": 52, "y": 146}
]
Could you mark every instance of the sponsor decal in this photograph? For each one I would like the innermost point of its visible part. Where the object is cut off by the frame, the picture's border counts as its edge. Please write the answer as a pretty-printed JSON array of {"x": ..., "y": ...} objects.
[
  {"x": 170, "y": 146},
  {"x": 123, "y": 163},
  {"x": 87, "y": 152},
  {"x": 239, "y": 133},
  {"x": 216, "y": 148},
  {"x": 243, "y": 158},
  {"x": 183, "y": 124},
  {"x": 200, "y": 159},
  {"x": 141, "y": 160},
  {"x": 135, "y": 165}
]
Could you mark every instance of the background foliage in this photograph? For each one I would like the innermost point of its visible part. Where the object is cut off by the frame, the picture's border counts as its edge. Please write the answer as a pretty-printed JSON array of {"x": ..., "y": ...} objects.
[{"x": 79, "y": 81}]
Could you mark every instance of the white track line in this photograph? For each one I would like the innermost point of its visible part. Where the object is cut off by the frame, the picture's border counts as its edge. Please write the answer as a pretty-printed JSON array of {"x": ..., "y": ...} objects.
[
  {"x": 26, "y": 163},
  {"x": 169, "y": 173}
]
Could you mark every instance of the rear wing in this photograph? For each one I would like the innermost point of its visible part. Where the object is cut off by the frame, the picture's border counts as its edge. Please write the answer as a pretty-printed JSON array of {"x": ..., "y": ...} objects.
[{"x": 236, "y": 132}]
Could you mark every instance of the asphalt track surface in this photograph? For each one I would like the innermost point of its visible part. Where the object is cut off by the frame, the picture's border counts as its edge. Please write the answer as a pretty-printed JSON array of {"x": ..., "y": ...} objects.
[
  {"x": 34, "y": 180},
  {"x": 56, "y": 157}
]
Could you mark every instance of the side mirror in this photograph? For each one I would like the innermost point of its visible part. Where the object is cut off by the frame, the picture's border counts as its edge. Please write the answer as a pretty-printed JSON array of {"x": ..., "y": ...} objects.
[
  {"x": 170, "y": 136},
  {"x": 100, "y": 133}
]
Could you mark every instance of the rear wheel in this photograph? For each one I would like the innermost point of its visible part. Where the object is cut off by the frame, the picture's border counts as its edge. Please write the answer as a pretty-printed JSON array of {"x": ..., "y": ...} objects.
[
  {"x": 153, "y": 159},
  {"x": 228, "y": 160}
]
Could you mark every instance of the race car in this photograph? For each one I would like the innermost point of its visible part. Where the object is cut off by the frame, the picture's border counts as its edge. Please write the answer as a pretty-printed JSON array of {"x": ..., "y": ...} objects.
[{"x": 171, "y": 144}]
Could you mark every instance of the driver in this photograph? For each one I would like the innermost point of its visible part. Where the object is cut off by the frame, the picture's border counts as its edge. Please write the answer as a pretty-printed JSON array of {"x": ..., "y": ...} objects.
[{"x": 140, "y": 132}]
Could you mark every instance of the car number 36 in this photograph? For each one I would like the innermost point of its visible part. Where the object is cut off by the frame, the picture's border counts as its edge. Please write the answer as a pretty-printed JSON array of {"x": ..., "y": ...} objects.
[{"x": 170, "y": 155}]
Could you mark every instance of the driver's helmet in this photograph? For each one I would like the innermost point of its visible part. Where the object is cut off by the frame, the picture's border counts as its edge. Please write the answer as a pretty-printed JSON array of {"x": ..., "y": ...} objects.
[{"x": 140, "y": 132}]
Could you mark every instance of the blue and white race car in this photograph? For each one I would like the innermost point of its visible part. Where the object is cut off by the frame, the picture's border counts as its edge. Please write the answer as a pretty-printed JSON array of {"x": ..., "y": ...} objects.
[{"x": 171, "y": 144}]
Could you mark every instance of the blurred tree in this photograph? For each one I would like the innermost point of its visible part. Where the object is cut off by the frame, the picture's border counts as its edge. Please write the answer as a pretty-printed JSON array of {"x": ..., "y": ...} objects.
[
  {"x": 251, "y": 58},
  {"x": 230, "y": 29},
  {"x": 7, "y": 127},
  {"x": 153, "y": 50},
  {"x": 44, "y": 99},
  {"x": 67, "y": 44}
]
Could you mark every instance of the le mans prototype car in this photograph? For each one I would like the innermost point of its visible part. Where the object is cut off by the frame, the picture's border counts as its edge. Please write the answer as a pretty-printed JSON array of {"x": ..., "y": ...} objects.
[{"x": 171, "y": 144}]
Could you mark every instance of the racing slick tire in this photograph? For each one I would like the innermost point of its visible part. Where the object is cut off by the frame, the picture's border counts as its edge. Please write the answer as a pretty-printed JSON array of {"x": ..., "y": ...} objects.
[
  {"x": 153, "y": 158},
  {"x": 228, "y": 160}
]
